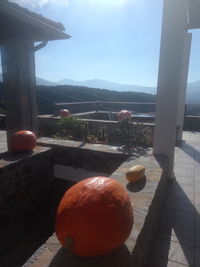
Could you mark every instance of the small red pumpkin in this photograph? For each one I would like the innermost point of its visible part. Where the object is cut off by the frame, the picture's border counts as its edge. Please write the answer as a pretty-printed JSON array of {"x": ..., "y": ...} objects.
[
  {"x": 94, "y": 217},
  {"x": 124, "y": 114},
  {"x": 23, "y": 141},
  {"x": 64, "y": 113}
]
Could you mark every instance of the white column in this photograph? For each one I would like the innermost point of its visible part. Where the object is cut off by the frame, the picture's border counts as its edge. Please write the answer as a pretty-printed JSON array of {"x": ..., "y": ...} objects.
[
  {"x": 174, "y": 27},
  {"x": 183, "y": 85}
]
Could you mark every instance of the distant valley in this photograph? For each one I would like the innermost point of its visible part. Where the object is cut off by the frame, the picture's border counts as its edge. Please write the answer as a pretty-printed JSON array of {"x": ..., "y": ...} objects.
[{"x": 193, "y": 91}]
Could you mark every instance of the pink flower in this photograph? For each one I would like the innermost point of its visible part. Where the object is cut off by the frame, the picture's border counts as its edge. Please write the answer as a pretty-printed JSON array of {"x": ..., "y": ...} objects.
[{"x": 123, "y": 115}]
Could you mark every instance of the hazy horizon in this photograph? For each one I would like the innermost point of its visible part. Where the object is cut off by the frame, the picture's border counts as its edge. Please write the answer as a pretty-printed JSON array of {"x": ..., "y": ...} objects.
[
  {"x": 96, "y": 79},
  {"x": 124, "y": 83}
]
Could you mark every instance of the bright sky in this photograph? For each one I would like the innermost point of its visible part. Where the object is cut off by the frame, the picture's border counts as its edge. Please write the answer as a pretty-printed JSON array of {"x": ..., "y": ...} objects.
[{"x": 115, "y": 40}]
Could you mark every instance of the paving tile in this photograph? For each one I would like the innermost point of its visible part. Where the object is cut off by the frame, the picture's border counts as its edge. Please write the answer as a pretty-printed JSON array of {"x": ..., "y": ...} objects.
[
  {"x": 139, "y": 218},
  {"x": 197, "y": 187},
  {"x": 185, "y": 172},
  {"x": 174, "y": 251},
  {"x": 167, "y": 220},
  {"x": 175, "y": 238},
  {"x": 158, "y": 262},
  {"x": 181, "y": 154},
  {"x": 185, "y": 180},
  {"x": 197, "y": 172},
  {"x": 197, "y": 237},
  {"x": 187, "y": 165},
  {"x": 184, "y": 160},
  {"x": 197, "y": 198},
  {"x": 197, "y": 179},
  {"x": 153, "y": 176},
  {"x": 174, "y": 264},
  {"x": 187, "y": 155},
  {"x": 197, "y": 215},
  {"x": 53, "y": 244},
  {"x": 196, "y": 162},
  {"x": 197, "y": 257},
  {"x": 181, "y": 190},
  {"x": 184, "y": 225},
  {"x": 197, "y": 207},
  {"x": 161, "y": 247},
  {"x": 181, "y": 253},
  {"x": 197, "y": 156}
]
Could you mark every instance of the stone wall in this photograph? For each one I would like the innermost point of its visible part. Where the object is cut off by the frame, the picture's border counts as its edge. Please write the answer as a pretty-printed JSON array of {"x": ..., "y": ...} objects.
[
  {"x": 192, "y": 123},
  {"x": 2, "y": 121},
  {"x": 96, "y": 115},
  {"x": 90, "y": 160},
  {"x": 26, "y": 190},
  {"x": 48, "y": 127}
]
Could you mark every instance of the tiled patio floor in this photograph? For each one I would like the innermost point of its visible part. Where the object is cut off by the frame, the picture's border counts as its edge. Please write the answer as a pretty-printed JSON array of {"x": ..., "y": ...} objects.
[{"x": 178, "y": 240}]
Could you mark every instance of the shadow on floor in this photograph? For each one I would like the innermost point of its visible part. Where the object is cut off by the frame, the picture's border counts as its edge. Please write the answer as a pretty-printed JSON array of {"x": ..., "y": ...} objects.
[
  {"x": 134, "y": 153},
  {"x": 190, "y": 151},
  {"x": 137, "y": 186},
  {"x": 118, "y": 258},
  {"x": 177, "y": 237}
]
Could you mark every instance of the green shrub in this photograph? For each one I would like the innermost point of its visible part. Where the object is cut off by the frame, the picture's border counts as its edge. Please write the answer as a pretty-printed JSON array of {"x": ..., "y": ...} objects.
[{"x": 71, "y": 122}]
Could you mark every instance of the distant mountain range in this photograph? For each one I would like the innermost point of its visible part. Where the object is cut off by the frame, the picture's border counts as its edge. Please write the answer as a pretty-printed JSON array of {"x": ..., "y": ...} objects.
[
  {"x": 39, "y": 81},
  {"x": 193, "y": 91},
  {"x": 97, "y": 83}
]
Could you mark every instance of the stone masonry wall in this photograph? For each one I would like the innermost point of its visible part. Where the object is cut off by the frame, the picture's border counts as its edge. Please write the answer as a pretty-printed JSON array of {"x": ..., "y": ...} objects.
[
  {"x": 48, "y": 127},
  {"x": 2, "y": 121},
  {"x": 26, "y": 190},
  {"x": 192, "y": 123},
  {"x": 90, "y": 160}
]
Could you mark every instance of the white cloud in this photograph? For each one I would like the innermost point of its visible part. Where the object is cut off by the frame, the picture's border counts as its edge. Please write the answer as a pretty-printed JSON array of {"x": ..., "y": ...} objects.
[{"x": 40, "y": 3}]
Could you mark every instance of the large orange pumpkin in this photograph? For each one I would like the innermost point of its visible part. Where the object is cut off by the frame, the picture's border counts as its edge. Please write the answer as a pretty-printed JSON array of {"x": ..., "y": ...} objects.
[
  {"x": 23, "y": 141},
  {"x": 94, "y": 217}
]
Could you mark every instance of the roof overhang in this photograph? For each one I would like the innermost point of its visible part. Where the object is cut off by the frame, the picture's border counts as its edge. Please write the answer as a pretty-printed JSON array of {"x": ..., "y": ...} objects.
[{"x": 16, "y": 21}]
